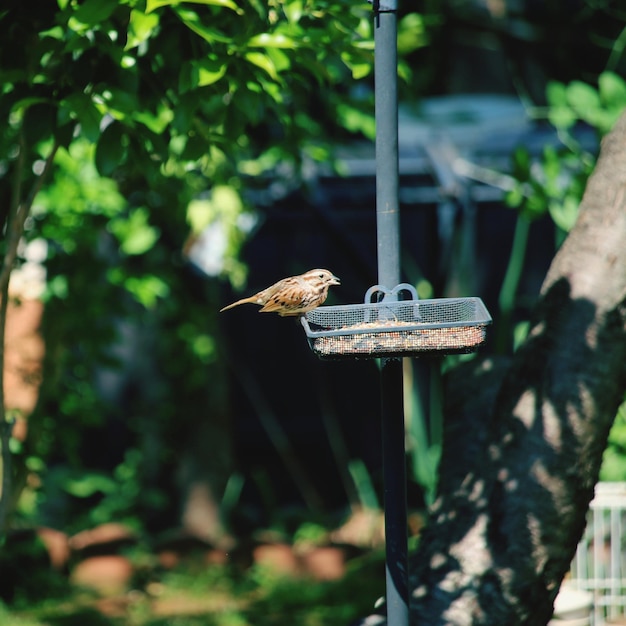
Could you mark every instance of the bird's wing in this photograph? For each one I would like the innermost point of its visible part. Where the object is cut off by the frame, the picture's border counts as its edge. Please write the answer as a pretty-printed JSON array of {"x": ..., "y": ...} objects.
[
  {"x": 282, "y": 302},
  {"x": 286, "y": 294}
]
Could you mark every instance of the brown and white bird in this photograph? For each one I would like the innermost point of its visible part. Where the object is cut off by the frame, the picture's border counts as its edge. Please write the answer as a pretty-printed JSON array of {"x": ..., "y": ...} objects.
[{"x": 294, "y": 295}]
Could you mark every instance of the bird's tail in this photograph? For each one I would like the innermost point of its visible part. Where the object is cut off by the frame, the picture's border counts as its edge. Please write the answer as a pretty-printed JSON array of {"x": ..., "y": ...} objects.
[{"x": 242, "y": 301}]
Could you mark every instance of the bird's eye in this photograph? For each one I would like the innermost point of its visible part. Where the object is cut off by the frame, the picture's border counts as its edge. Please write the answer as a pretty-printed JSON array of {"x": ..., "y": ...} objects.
[{"x": 321, "y": 275}]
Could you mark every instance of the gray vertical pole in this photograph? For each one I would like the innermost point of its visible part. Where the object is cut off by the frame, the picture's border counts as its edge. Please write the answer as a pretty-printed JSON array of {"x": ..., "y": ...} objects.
[
  {"x": 388, "y": 238},
  {"x": 386, "y": 101},
  {"x": 394, "y": 479}
]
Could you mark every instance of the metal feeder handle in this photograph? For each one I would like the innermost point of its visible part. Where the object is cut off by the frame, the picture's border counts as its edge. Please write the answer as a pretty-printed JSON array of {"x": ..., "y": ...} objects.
[{"x": 390, "y": 294}]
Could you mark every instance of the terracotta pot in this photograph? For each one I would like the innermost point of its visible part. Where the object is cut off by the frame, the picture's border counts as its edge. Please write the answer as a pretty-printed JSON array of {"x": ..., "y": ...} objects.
[
  {"x": 324, "y": 562},
  {"x": 107, "y": 574}
]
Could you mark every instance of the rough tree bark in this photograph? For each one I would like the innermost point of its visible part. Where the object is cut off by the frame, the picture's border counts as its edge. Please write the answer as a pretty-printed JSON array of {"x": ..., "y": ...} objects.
[{"x": 525, "y": 436}]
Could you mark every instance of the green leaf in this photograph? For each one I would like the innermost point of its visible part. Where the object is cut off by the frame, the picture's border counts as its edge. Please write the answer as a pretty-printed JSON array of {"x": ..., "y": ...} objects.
[
  {"x": 110, "y": 151},
  {"x": 210, "y": 71},
  {"x": 281, "y": 60},
  {"x": 552, "y": 172},
  {"x": 201, "y": 73},
  {"x": 152, "y": 5},
  {"x": 293, "y": 10},
  {"x": 556, "y": 94},
  {"x": 521, "y": 164},
  {"x": 192, "y": 21},
  {"x": 156, "y": 122},
  {"x": 514, "y": 197},
  {"x": 582, "y": 97},
  {"x": 359, "y": 65},
  {"x": 95, "y": 11},
  {"x": 560, "y": 113},
  {"x": 147, "y": 289},
  {"x": 562, "y": 117},
  {"x": 195, "y": 148},
  {"x": 81, "y": 107},
  {"x": 411, "y": 34},
  {"x": 120, "y": 100},
  {"x": 135, "y": 234},
  {"x": 264, "y": 62},
  {"x": 89, "y": 484},
  {"x": 565, "y": 213},
  {"x": 612, "y": 89},
  {"x": 204, "y": 347},
  {"x": 140, "y": 28},
  {"x": 536, "y": 203},
  {"x": 357, "y": 121},
  {"x": 272, "y": 40}
]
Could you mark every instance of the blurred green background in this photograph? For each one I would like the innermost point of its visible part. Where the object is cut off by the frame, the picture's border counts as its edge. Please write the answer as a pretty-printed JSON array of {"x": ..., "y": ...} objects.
[{"x": 160, "y": 159}]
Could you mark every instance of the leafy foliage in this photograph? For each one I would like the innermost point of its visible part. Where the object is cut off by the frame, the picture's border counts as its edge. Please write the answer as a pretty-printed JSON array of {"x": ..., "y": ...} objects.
[
  {"x": 614, "y": 462},
  {"x": 159, "y": 116},
  {"x": 261, "y": 595},
  {"x": 555, "y": 184}
]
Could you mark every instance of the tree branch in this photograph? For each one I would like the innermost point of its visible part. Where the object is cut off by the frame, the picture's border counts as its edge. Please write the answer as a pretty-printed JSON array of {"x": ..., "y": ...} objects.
[{"x": 18, "y": 212}]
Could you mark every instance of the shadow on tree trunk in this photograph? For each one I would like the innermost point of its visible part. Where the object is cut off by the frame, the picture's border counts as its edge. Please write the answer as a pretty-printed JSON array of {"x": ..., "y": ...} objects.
[{"x": 524, "y": 437}]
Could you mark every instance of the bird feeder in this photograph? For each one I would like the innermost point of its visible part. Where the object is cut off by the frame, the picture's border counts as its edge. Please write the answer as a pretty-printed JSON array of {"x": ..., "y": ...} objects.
[
  {"x": 397, "y": 328},
  {"x": 393, "y": 327}
]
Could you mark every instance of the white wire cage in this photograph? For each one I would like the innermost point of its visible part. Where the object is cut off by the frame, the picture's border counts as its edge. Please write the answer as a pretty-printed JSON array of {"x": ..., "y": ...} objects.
[
  {"x": 600, "y": 562},
  {"x": 397, "y": 328}
]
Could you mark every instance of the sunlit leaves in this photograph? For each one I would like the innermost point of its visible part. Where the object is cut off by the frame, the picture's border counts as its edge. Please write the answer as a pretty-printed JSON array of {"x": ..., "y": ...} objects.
[
  {"x": 141, "y": 27},
  {"x": 209, "y": 33},
  {"x": 146, "y": 289},
  {"x": 161, "y": 88},
  {"x": 357, "y": 120},
  {"x": 77, "y": 189},
  {"x": 84, "y": 485},
  {"x": 272, "y": 40},
  {"x": 412, "y": 33},
  {"x": 612, "y": 90},
  {"x": 157, "y": 121},
  {"x": 201, "y": 73},
  {"x": 152, "y": 5},
  {"x": 555, "y": 183},
  {"x": 580, "y": 101},
  {"x": 264, "y": 62},
  {"x": 560, "y": 114},
  {"x": 614, "y": 460},
  {"x": 359, "y": 64},
  {"x": 93, "y": 12},
  {"x": 225, "y": 204},
  {"x": 134, "y": 232},
  {"x": 220, "y": 226}
]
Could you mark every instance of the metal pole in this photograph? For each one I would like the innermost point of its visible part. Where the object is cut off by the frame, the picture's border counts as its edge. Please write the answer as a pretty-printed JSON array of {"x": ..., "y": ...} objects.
[
  {"x": 388, "y": 239},
  {"x": 386, "y": 102},
  {"x": 394, "y": 470}
]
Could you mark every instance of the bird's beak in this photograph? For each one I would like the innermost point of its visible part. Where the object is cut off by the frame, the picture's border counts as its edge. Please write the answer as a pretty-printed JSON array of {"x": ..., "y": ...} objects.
[{"x": 335, "y": 281}]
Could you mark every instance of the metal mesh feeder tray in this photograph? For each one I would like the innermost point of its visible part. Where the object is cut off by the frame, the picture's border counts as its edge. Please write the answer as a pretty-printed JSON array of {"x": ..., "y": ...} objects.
[{"x": 396, "y": 328}]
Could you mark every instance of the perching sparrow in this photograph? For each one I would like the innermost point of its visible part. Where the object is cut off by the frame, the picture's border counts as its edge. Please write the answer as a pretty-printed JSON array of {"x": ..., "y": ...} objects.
[{"x": 294, "y": 295}]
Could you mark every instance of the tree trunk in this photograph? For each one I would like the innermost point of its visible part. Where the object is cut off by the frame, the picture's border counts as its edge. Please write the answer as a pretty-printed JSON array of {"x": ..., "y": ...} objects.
[{"x": 520, "y": 463}]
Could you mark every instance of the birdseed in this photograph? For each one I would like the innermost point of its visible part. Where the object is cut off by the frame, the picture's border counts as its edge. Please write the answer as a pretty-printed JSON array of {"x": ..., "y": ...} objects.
[{"x": 402, "y": 341}]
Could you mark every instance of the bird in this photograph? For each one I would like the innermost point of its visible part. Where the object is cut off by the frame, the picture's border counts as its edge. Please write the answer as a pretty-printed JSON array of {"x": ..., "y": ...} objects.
[{"x": 294, "y": 295}]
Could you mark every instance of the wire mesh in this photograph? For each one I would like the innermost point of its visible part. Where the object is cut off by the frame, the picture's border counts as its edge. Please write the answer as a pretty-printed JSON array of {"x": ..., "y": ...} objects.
[
  {"x": 394, "y": 328},
  {"x": 600, "y": 562}
]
